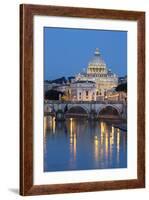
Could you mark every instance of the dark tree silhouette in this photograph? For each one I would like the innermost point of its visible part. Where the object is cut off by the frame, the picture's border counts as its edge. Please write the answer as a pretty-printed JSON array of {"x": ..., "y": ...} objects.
[
  {"x": 53, "y": 95},
  {"x": 122, "y": 87}
]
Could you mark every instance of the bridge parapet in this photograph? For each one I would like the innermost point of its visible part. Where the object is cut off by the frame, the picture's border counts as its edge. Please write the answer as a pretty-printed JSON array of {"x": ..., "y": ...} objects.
[
  {"x": 92, "y": 108},
  {"x": 83, "y": 102}
]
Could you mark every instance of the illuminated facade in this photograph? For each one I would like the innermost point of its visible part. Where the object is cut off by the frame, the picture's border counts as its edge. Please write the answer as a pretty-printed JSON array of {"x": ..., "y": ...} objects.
[
  {"x": 97, "y": 83},
  {"x": 98, "y": 72},
  {"x": 83, "y": 91}
]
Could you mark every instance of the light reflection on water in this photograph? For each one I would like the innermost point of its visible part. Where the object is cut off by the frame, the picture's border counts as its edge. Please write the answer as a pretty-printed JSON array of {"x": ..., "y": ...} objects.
[{"x": 77, "y": 144}]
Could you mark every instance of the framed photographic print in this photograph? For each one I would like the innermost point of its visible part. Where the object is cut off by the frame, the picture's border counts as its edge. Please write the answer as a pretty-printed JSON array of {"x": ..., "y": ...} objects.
[{"x": 82, "y": 99}]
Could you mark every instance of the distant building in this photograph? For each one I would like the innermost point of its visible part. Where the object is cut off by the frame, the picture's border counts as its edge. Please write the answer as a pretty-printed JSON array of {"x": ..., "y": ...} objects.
[
  {"x": 95, "y": 84},
  {"x": 98, "y": 72},
  {"x": 83, "y": 91},
  {"x": 71, "y": 79},
  {"x": 117, "y": 96},
  {"x": 63, "y": 87},
  {"x": 66, "y": 89},
  {"x": 122, "y": 80},
  {"x": 47, "y": 86}
]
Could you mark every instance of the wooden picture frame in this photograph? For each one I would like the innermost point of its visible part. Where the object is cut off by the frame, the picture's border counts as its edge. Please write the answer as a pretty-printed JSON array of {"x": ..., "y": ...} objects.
[{"x": 27, "y": 12}]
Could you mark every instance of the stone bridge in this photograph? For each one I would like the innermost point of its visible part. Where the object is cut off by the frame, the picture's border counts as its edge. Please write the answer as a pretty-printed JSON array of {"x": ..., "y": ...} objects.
[{"x": 90, "y": 109}]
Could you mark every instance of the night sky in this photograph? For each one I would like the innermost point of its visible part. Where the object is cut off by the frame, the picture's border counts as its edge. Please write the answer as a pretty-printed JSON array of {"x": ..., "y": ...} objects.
[{"x": 67, "y": 51}]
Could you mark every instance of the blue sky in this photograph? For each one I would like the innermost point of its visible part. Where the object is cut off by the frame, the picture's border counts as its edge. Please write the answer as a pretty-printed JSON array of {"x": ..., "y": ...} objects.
[{"x": 68, "y": 51}]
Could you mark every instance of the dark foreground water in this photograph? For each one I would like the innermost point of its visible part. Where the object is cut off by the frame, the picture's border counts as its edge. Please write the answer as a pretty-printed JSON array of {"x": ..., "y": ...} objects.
[{"x": 79, "y": 144}]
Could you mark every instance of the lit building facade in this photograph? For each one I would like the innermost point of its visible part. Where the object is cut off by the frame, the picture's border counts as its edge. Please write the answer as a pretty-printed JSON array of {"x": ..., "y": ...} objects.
[
  {"x": 97, "y": 83},
  {"x": 83, "y": 91},
  {"x": 98, "y": 72},
  {"x": 66, "y": 89},
  {"x": 117, "y": 96}
]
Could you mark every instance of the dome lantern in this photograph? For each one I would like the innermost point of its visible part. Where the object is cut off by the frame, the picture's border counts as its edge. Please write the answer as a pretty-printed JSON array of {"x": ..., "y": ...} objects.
[{"x": 96, "y": 52}]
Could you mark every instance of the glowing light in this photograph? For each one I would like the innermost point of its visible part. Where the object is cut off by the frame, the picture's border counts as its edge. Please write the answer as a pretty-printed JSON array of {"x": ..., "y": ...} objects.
[
  {"x": 106, "y": 143},
  {"x": 111, "y": 143},
  {"x": 74, "y": 146},
  {"x": 118, "y": 144},
  {"x": 49, "y": 122},
  {"x": 112, "y": 136},
  {"x": 71, "y": 126},
  {"x": 53, "y": 124},
  {"x": 102, "y": 127},
  {"x": 71, "y": 140},
  {"x": 102, "y": 132},
  {"x": 118, "y": 139},
  {"x": 96, "y": 148},
  {"x": 95, "y": 137}
]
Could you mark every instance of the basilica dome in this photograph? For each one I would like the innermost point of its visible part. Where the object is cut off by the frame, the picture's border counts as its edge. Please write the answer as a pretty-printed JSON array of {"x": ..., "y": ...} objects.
[{"x": 97, "y": 59}]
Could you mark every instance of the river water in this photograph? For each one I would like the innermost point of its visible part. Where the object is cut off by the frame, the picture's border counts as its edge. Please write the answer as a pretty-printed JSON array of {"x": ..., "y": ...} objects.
[{"x": 80, "y": 144}]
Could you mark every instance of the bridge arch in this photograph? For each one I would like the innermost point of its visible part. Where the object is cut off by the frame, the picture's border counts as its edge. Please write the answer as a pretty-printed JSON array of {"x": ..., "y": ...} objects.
[
  {"x": 77, "y": 110},
  {"x": 109, "y": 110}
]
